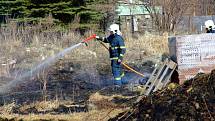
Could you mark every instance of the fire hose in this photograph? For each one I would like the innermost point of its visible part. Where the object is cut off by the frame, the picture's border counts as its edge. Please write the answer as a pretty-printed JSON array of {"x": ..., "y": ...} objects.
[{"x": 123, "y": 63}]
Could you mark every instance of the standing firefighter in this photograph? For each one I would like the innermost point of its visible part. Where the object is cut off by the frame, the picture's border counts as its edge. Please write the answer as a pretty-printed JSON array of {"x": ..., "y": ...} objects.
[
  {"x": 209, "y": 26},
  {"x": 117, "y": 50}
]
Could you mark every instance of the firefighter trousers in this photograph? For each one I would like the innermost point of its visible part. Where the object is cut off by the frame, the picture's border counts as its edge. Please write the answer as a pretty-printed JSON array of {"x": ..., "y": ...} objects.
[{"x": 117, "y": 72}]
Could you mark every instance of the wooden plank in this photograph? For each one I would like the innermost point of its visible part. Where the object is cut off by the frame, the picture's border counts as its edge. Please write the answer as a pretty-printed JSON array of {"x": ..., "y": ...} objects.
[
  {"x": 159, "y": 78},
  {"x": 166, "y": 75},
  {"x": 159, "y": 74}
]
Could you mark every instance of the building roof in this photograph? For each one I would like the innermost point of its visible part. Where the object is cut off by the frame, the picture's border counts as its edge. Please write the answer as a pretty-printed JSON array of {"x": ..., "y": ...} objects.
[{"x": 134, "y": 9}]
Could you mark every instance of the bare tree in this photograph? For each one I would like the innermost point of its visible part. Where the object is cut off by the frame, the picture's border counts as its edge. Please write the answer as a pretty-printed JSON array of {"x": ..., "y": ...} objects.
[
  {"x": 170, "y": 13},
  {"x": 212, "y": 8}
]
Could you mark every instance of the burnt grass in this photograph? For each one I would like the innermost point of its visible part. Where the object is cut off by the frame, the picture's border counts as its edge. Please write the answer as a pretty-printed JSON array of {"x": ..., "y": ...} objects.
[
  {"x": 69, "y": 81},
  {"x": 194, "y": 100},
  {"x": 61, "y": 83},
  {"x": 65, "y": 82}
]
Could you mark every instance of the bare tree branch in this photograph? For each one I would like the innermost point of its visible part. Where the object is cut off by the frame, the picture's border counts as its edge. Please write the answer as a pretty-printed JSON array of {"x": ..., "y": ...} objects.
[{"x": 172, "y": 12}]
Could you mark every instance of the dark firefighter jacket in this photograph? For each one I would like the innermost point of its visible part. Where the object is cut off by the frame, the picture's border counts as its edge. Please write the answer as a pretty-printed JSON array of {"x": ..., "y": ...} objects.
[{"x": 117, "y": 46}]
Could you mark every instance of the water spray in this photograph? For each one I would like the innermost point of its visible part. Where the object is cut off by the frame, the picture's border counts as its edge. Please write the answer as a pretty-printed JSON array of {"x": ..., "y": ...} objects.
[
  {"x": 50, "y": 61},
  {"x": 44, "y": 65}
]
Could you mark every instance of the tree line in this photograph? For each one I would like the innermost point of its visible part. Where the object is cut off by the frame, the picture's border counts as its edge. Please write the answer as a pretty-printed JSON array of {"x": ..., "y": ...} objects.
[{"x": 63, "y": 12}]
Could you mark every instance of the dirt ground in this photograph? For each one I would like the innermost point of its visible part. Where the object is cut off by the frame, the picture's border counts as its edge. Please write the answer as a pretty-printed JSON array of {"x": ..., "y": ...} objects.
[{"x": 194, "y": 100}]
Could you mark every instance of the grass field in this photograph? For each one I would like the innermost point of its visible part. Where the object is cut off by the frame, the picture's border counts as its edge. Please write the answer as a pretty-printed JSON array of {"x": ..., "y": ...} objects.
[{"x": 23, "y": 48}]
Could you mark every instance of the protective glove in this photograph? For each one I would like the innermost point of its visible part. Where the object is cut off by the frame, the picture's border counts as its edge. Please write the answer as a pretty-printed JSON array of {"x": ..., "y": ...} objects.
[
  {"x": 99, "y": 38},
  {"x": 119, "y": 61}
]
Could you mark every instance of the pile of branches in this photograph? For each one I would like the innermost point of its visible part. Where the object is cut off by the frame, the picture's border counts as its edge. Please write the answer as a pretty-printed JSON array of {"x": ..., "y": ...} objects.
[{"x": 194, "y": 100}]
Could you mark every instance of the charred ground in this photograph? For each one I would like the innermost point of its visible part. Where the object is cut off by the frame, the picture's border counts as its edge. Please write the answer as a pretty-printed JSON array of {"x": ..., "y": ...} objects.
[{"x": 194, "y": 100}]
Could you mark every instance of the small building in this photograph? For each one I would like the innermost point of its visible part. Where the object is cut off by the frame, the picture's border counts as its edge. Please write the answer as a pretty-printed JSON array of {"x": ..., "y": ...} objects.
[{"x": 135, "y": 16}]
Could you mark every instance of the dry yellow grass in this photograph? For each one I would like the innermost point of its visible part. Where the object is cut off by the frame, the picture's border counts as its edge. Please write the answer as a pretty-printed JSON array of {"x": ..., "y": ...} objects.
[
  {"x": 44, "y": 45},
  {"x": 43, "y": 105},
  {"x": 98, "y": 97},
  {"x": 146, "y": 46},
  {"x": 92, "y": 115},
  {"x": 101, "y": 102},
  {"x": 95, "y": 115},
  {"x": 7, "y": 109}
]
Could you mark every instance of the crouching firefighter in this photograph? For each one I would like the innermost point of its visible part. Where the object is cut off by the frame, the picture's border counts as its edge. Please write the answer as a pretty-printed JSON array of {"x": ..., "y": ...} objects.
[{"x": 117, "y": 50}]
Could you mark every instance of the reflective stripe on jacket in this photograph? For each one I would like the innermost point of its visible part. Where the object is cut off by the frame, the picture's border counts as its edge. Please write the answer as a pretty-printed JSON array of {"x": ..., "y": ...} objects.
[{"x": 117, "y": 46}]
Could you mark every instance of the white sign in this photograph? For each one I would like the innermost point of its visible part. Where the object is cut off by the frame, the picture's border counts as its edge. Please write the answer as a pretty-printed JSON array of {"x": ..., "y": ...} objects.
[{"x": 195, "y": 51}]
